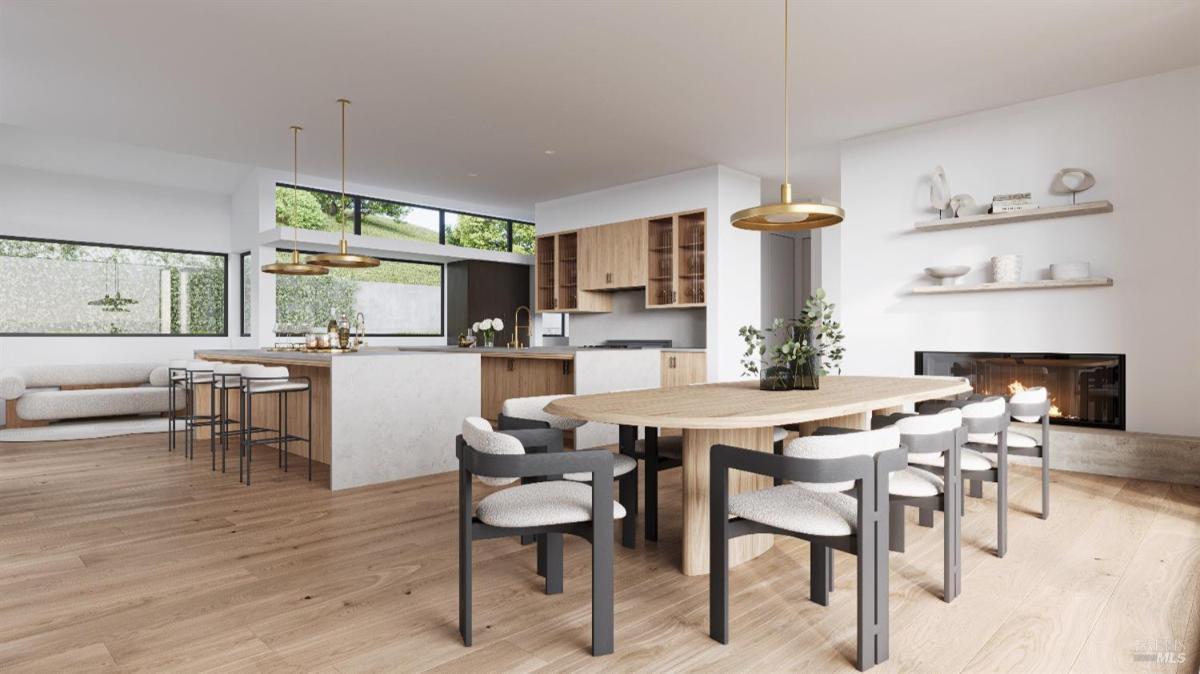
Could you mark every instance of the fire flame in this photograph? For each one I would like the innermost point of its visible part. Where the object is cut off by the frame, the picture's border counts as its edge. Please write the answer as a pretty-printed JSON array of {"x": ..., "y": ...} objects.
[{"x": 1017, "y": 387}]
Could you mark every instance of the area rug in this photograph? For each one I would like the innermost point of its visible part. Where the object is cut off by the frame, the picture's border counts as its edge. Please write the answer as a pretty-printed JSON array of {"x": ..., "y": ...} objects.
[{"x": 82, "y": 430}]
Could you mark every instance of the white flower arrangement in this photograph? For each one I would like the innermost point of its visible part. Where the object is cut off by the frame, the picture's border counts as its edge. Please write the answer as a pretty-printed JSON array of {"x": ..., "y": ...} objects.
[{"x": 489, "y": 327}]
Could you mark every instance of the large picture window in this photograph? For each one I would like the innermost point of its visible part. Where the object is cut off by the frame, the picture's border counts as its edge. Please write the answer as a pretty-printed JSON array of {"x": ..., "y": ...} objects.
[
  {"x": 247, "y": 274},
  {"x": 71, "y": 288},
  {"x": 397, "y": 298},
  {"x": 306, "y": 208}
]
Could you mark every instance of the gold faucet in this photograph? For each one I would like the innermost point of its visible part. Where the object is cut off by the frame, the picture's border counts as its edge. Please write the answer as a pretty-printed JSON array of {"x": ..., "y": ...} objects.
[
  {"x": 361, "y": 325},
  {"x": 515, "y": 343}
]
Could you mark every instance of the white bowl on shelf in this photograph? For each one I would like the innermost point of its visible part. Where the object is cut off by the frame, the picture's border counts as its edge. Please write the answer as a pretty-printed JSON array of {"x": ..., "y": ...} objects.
[
  {"x": 1066, "y": 271},
  {"x": 948, "y": 274}
]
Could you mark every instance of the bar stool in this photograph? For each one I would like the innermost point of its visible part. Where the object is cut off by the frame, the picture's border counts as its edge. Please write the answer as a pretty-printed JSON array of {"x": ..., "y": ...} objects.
[
  {"x": 176, "y": 375},
  {"x": 226, "y": 378},
  {"x": 198, "y": 373},
  {"x": 259, "y": 380}
]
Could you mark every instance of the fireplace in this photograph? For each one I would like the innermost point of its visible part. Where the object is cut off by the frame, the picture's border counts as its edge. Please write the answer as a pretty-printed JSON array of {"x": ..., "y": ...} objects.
[{"x": 1086, "y": 389}]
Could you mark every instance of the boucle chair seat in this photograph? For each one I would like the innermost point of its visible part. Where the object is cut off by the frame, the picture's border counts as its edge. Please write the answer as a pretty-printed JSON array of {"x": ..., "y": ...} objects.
[
  {"x": 533, "y": 409},
  {"x": 540, "y": 504},
  {"x": 622, "y": 465},
  {"x": 794, "y": 508},
  {"x": 1015, "y": 439},
  {"x": 779, "y": 434},
  {"x": 971, "y": 460},
  {"x": 915, "y": 482},
  {"x": 47, "y": 405}
]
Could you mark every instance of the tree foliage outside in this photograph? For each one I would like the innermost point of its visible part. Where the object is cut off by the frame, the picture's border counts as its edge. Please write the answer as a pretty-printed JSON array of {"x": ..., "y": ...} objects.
[
  {"x": 311, "y": 209},
  {"x": 473, "y": 231},
  {"x": 523, "y": 237}
]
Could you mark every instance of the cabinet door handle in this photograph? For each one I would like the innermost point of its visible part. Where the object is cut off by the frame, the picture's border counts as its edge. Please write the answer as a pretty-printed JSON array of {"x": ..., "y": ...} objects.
[
  {"x": 554, "y": 303},
  {"x": 672, "y": 297}
]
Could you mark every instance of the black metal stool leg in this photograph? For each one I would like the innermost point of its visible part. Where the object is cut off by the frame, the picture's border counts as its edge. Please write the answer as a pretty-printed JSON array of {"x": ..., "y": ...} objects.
[
  {"x": 284, "y": 427},
  {"x": 310, "y": 438}
]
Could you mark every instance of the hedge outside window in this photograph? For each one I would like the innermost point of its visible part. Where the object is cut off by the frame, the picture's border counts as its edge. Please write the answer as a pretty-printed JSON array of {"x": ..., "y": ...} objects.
[
  {"x": 246, "y": 275},
  {"x": 474, "y": 231},
  {"x": 71, "y": 288},
  {"x": 397, "y": 298}
]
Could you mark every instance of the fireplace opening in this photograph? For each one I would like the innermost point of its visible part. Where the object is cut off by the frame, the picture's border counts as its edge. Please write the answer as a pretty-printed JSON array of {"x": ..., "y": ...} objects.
[{"x": 1085, "y": 389}]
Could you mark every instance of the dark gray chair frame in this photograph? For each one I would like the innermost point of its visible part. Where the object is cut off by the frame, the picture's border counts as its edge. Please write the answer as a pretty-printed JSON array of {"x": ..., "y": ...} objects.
[
  {"x": 997, "y": 475},
  {"x": 598, "y": 531},
  {"x": 627, "y": 484},
  {"x": 869, "y": 542},
  {"x": 949, "y": 502},
  {"x": 655, "y": 463},
  {"x": 280, "y": 438},
  {"x": 1040, "y": 451}
]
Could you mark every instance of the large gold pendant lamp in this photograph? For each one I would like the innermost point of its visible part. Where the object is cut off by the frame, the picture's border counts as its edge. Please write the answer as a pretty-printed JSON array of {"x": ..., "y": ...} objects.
[
  {"x": 787, "y": 215},
  {"x": 343, "y": 258},
  {"x": 295, "y": 267}
]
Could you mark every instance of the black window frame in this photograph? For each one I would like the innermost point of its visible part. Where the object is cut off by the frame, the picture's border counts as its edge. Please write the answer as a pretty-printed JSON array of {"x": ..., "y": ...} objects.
[
  {"x": 242, "y": 269},
  {"x": 441, "y": 293},
  {"x": 224, "y": 300},
  {"x": 356, "y": 200}
]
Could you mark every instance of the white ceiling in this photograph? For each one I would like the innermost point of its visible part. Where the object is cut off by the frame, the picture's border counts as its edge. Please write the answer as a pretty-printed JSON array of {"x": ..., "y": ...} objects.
[{"x": 622, "y": 90}]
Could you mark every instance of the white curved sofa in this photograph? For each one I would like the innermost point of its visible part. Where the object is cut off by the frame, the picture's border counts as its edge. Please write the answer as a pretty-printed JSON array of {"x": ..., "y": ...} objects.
[{"x": 36, "y": 395}]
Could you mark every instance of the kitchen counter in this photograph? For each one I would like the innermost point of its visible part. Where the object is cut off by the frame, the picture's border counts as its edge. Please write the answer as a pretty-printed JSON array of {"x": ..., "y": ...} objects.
[{"x": 390, "y": 413}]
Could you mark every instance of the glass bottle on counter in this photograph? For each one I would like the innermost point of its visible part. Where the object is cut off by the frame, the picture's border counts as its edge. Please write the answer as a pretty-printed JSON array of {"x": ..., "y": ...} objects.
[{"x": 343, "y": 332}]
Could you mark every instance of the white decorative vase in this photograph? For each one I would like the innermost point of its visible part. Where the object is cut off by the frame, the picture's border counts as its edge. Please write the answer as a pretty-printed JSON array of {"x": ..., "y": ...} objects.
[{"x": 1006, "y": 268}]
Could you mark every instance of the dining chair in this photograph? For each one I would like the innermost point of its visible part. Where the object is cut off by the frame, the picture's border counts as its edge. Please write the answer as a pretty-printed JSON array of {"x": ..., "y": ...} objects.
[
  {"x": 664, "y": 452},
  {"x": 928, "y": 439},
  {"x": 547, "y": 509},
  {"x": 984, "y": 417},
  {"x": 1031, "y": 406},
  {"x": 813, "y": 508},
  {"x": 529, "y": 413}
]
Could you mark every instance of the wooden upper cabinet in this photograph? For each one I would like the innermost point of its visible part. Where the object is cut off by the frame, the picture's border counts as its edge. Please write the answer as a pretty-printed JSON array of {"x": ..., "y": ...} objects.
[
  {"x": 558, "y": 276},
  {"x": 677, "y": 262},
  {"x": 613, "y": 256},
  {"x": 544, "y": 277}
]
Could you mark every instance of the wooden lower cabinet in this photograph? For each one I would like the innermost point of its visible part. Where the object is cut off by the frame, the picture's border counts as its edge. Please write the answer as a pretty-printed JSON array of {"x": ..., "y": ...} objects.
[
  {"x": 505, "y": 378},
  {"x": 681, "y": 368}
]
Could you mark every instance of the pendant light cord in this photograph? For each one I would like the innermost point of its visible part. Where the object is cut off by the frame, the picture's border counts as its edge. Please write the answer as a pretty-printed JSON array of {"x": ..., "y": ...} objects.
[
  {"x": 295, "y": 186},
  {"x": 785, "y": 93},
  {"x": 344, "y": 103}
]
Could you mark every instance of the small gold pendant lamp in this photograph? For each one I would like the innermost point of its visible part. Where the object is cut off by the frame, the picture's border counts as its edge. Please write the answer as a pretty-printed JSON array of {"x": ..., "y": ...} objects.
[
  {"x": 343, "y": 258},
  {"x": 295, "y": 267},
  {"x": 787, "y": 215}
]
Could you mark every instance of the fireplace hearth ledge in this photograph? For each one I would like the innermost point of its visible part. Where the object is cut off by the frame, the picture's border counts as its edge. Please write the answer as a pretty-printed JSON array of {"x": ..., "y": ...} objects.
[{"x": 1144, "y": 456}]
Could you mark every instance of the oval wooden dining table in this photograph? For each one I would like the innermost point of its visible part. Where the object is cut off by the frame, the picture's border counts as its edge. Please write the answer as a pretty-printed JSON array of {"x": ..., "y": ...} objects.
[{"x": 740, "y": 414}]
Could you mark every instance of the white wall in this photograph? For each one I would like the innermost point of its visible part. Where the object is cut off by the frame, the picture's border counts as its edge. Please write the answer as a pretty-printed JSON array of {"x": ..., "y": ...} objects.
[
  {"x": 731, "y": 266},
  {"x": 1141, "y": 138},
  {"x": 43, "y": 204}
]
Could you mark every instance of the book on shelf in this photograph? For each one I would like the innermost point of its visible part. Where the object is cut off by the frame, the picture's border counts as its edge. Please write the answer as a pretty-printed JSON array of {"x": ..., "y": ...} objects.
[
  {"x": 1010, "y": 207},
  {"x": 1015, "y": 196}
]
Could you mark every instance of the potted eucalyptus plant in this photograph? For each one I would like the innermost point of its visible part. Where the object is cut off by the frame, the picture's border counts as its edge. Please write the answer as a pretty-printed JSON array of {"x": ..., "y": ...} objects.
[{"x": 794, "y": 353}]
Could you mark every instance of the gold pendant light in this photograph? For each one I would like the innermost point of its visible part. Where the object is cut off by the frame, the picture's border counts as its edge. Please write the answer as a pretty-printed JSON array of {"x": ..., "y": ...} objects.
[
  {"x": 787, "y": 215},
  {"x": 295, "y": 267},
  {"x": 343, "y": 258}
]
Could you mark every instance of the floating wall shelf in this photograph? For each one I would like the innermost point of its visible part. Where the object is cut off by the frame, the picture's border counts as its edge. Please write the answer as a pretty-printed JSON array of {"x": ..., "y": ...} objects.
[
  {"x": 1044, "y": 213},
  {"x": 1019, "y": 285}
]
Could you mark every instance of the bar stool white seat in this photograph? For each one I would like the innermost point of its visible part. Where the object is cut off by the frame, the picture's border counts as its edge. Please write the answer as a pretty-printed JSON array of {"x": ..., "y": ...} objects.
[{"x": 259, "y": 380}]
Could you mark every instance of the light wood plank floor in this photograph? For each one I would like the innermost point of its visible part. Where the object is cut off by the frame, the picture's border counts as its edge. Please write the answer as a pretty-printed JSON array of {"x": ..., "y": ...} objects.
[{"x": 114, "y": 554}]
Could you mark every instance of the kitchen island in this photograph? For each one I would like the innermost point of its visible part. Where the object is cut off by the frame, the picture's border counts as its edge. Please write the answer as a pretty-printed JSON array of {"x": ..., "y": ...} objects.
[{"x": 389, "y": 413}]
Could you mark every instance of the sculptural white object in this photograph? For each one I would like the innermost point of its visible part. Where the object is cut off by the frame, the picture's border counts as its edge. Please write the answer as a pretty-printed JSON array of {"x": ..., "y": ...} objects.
[
  {"x": 947, "y": 274},
  {"x": 960, "y": 203},
  {"x": 939, "y": 190},
  {"x": 1072, "y": 181}
]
